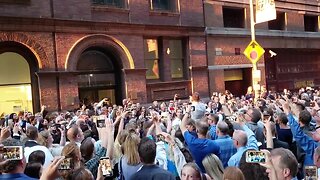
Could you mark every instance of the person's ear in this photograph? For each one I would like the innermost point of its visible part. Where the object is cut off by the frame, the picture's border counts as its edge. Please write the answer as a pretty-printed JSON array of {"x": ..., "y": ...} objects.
[{"x": 286, "y": 172}]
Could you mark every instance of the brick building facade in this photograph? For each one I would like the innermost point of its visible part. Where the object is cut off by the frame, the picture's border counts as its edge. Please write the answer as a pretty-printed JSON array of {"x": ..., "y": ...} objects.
[
  {"x": 53, "y": 35},
  {"x": 78, "y": 51},
  {"x": 294, "y": 37}
]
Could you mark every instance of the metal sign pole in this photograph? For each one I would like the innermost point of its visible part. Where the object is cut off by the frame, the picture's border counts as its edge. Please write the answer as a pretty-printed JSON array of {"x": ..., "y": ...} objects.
[{"x": 254, "y": 65}]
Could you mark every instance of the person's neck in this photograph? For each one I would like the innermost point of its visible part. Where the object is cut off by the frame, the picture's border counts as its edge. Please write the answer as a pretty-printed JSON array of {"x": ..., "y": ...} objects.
[
  {"x": 18, "y": 170},
  {"x": 283, "y": 126},
  {"x": 238, "y": 147},
  {"x": 220, "y": 134},
  {"x": 200, "y": 136},
  {"x": 148, "y": 164}
]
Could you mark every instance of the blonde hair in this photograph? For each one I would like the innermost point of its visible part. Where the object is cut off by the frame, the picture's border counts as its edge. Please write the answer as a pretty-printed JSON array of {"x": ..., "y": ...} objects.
[
  {"x": 213, "y": 166},
  {"x": 130, "y": 149},
  {"x": 43, "y": 137}
]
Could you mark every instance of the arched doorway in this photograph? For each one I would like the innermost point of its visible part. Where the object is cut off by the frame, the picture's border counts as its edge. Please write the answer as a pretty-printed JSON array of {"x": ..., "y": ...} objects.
[
  {"x": 18, "y": 82},
  {"x": 99, "y": 76}
]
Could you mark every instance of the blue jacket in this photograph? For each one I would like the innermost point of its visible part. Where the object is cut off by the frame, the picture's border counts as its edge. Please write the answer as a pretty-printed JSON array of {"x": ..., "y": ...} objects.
[{"x": 305, "y": 142}]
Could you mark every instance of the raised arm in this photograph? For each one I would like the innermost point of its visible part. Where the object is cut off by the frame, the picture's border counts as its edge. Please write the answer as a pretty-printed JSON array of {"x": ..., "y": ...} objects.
[
  {"x": 184, "y": 120},
  {"x": 110, "y": 133}
]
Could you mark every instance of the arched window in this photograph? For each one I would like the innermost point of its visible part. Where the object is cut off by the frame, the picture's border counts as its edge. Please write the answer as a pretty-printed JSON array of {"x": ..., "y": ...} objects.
[
  {"x": 15, "y": 83},
  {"x": 97, "y": 76}
]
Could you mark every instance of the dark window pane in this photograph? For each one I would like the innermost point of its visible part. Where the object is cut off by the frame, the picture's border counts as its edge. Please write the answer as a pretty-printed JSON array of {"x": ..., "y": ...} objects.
[
  {"x": 175, "y": 49},
  {"x": 96, "y": 80},
  {"x": 112, "y": 3},
  {"x": 177, "y": 68},
  {"x": 279, "y": 23},
  {"x": 176, "y": 57},
  {"x": 311, "y": 23},
  {"x": 94, "y": 60},
  {"x": 233, "y": 17},
  {"x": 164, "y": 5}
]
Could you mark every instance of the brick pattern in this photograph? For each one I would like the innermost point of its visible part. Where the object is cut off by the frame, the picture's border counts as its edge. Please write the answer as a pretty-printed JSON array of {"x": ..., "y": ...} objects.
[
  {"x": 213, "y": 15},
  {"x": 72, "y": 9},
  {"x": 104, "y": 14},
  {"x": 295, "y": 22},
  {"x": 48, "y": 92},
  {"x": 192, "y": 12},
  {"x": 216, "y": 80},
  {"x": 198, "y": 61},
  {"x": 69, "y": 96},
  {"x": 228, "y": 50},
  {"x": 36, "y": 8},
  {"x": 64, "y": 42},
  {"x": 136, "y": 84},
  {"x": 38, "y": 43},
  {"x": 135, "y": 46},
  {"x": 167, "y": 90}
]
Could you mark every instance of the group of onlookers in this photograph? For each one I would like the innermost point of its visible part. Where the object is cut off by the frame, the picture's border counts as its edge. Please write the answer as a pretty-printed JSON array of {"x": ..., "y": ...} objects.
[{"x": 178, "y": 139}]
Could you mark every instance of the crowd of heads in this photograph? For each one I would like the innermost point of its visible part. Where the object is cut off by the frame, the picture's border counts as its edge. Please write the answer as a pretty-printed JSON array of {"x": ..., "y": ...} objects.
[{"x": 229, "y": 133}]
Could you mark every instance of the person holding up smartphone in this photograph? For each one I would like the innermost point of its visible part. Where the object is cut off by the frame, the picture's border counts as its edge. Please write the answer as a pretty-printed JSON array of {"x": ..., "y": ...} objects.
[
  {"x": 280, "y": 164},
  {"x": 12, "y": 162},
  {"x": 198, "y": 108}
]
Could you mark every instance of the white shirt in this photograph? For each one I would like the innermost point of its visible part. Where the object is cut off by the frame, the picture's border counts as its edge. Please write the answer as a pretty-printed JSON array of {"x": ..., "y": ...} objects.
[{"x": 48, "y": 155}]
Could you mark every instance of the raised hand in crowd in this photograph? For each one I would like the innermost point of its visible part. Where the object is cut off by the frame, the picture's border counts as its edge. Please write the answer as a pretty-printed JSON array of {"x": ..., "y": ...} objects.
[
  {"x": 5, "y": 133},
  {"x": 62, "y": 130},
  {"x": 110, "y": 136},
  {"x": 269, "y": 138},
  {"x": 52, "y": 172},
  {"x": 2, "y": 161}
]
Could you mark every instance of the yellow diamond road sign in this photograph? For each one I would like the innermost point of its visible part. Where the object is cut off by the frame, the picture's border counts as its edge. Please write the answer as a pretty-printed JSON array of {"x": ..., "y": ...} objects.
[{"x": 253, "y": 51}]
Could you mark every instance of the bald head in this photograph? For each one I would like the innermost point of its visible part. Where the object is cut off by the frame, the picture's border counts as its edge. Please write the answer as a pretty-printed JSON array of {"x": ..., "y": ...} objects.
[{"x": 241, "y": 138}]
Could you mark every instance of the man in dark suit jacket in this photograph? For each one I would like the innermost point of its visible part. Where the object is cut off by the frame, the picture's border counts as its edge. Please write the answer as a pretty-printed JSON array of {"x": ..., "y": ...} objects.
[
  {"x": 149, "y": 170},
  {"x": 276, "y": 142},
  {"x": 32, "y": 134}
]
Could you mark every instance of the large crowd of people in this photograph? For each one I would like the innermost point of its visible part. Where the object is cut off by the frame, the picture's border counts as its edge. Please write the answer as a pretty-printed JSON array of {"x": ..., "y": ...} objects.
[{"x": 274, "y": 136}]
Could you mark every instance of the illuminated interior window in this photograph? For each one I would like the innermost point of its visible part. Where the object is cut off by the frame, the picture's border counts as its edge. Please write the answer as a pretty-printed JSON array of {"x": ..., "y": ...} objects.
[
  {"x": 15, "y": 84},
  {"x": 151, "y": 58}
]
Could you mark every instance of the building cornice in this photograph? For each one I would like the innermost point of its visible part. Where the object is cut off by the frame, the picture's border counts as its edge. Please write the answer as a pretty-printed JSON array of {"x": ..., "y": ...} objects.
[
  {"x": 303, "y": 7},
  {"x": 216, "y": 31},
  {"x": 83, "y": 26}
]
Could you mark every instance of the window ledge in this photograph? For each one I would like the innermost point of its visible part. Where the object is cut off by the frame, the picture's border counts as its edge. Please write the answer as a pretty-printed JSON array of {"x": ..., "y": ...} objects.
[
  {"x": 15, "y": 1},
  {"x": 107, "y": 8},
  {"x": 156, "y": 83},
  {"x": 163, "y": 13}
]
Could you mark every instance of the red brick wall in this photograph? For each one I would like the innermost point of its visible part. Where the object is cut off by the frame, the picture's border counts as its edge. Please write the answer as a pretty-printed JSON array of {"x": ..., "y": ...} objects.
[
  {"x": 295, "y": 21},
  {"x": 64, "y": 42},
  {"x": 136, "y": 84},
  {"x": 216, "y": 78},
  {"x": 72, "y": 9},
  {"x": 36, "y": 8},
  {"x": 103, "y": 14},
  {"x": 69, "y": 92},
  {"x": 213, "y": 15},
  {"x": 48, "y": 92},
  {"x": 192, "y": 12},
  {"x": 198, "y": 61}
]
